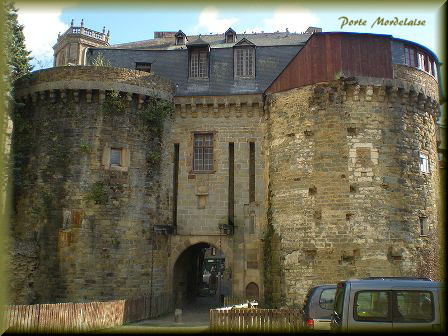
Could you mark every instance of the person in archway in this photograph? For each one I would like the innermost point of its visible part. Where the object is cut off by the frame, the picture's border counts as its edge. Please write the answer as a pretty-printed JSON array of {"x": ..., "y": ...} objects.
[{"x": 213, "y": 281}]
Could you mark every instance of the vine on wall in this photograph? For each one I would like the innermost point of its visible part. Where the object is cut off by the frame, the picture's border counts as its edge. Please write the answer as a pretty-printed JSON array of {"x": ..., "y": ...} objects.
[{"x": 113, "y": 104}]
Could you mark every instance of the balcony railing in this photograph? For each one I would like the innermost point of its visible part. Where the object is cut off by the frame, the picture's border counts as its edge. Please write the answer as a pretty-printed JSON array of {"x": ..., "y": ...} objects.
[{"x": 86, "y": 32}]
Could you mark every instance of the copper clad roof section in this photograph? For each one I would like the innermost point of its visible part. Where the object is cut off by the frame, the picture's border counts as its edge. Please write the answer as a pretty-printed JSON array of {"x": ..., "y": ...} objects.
[{"x": 328, "y": 56}]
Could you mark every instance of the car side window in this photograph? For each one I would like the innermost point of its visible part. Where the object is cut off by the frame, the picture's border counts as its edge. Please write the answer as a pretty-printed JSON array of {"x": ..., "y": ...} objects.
[
  {"x": 326, "y": 300},
  {"x": 413, "y": 306},
  {"x": 372, "y": 306}
]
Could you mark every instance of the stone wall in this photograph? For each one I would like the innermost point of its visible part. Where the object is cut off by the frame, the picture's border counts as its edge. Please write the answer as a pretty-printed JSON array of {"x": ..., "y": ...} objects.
[
  {"x": 202, "y": 203},
  {"x": 346, "y": 190},
  {"x": 82, "y": 228}
]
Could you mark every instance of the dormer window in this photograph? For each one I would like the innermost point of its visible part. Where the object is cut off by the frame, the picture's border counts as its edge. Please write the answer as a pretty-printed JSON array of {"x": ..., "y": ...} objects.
[
  {"x": 198, "y": 51},
  {"x": 244, "y": 59},
  {"x": 180, "y": 38},
  {"x": 199, "y": 63},
  {"x": 230, "y": 36}
]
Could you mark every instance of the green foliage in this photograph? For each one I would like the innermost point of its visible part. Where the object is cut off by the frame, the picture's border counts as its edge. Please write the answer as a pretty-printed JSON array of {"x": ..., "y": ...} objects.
[
  {"x": 113, "y": 104},
  {"x": 97, "y": 193},
  {"x": 85, "y": 148},
  {"x": 17, "y": 56},
  {"x": 154, "y": 112},
  {"x": 99, "y": 60},
  {"x": 154, "y": 157}
]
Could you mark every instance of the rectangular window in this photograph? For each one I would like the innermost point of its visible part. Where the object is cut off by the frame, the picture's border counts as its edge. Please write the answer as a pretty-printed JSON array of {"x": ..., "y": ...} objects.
[
  {"x": 245, "y": 62},
  {"x": 421, "y": 61},
  {"x": 326, "y": 300},
  {"x": 409, "y": 57},
  {"x": 434, "y": 69},
  {"x": 143, "y": 66},
  {"x": 199, "y": 64},
  {"x": 203, "y": 152},
  {"x": 413, "y": 306},
  {"x": 115, "y": 156},
  {"x": 424, "y": 229},
  {"x": 371, "y": 306},
  {"x": 424, "y": 163}
]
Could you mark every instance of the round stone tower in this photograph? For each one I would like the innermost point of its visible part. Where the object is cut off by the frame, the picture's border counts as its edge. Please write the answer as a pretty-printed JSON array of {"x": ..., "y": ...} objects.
[
  {"x": 88, "y": 150},
  {"x": 354, "y": 178}
]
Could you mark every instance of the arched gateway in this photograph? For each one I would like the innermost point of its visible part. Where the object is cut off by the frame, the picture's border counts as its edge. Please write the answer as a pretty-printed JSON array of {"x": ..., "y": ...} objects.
[{"x": 195, "y": 274}]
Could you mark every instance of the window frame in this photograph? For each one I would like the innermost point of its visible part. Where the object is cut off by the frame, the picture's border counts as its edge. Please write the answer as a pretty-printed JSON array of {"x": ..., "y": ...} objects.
[
  {"x": 143, "y": 64},
  {"x": 244, "y": 62},
  {"x": 192, "y": 52},
  {"x": 395, "y": 298},
  {"x": 420, "y": 59},
  {"x": 334, "y": 297},
  {"x": 193, "y": 166},
  {"x": 387, "y": 319},
  {"x": 424, "y": 164},
  {"x": 120, "y": 150}
]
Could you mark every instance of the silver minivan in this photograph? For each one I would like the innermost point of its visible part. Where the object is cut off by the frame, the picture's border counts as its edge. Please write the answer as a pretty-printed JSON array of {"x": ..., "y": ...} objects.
[{"x": 389, "y": 305}]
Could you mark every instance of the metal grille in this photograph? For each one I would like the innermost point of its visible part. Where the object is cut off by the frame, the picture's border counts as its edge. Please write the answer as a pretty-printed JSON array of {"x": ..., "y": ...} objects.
[
  {"x": 203, "y": 152},
  {"x": 199, "y": 64}
]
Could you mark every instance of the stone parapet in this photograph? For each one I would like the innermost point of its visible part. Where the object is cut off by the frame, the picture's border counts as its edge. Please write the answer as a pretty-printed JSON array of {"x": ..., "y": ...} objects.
[
  {"x": 51, "y": 81},
  {"x": 219, "y": 106}
]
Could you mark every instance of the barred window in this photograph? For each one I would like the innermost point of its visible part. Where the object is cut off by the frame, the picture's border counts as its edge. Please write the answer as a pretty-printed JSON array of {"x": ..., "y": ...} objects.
[
  {"x": 244, "y": 62},
  {"x": 203, "y": 152},
  {"x": 199, "y": 64}
]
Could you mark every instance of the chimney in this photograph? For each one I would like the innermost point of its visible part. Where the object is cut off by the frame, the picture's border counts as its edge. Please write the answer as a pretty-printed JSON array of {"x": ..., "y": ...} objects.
[{"x": 163, "y": 34}]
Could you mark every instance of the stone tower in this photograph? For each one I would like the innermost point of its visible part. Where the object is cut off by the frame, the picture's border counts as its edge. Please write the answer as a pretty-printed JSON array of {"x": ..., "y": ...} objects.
[
  {"x": 71, "y": 46},
  {"x": 88, "y": 150}
]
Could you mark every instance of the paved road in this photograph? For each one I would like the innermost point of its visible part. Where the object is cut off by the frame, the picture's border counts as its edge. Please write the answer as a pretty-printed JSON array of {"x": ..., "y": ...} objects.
[{"x": 195, "y": 319}]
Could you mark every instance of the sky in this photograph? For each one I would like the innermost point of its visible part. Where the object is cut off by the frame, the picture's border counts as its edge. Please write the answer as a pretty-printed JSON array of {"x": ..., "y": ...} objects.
[{"x": 135, "y": 21}]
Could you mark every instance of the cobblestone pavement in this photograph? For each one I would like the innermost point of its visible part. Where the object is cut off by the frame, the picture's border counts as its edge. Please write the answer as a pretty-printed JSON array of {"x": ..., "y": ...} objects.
[{"x": 195, "y": 319}]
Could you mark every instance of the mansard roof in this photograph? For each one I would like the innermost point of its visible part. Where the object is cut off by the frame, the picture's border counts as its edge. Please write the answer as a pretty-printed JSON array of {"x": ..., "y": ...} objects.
[
  {"x": 218, "y": 41},
  {"x": 243, "y": 42},
  {"x": 230, "y": 31},
  {"x": 197, "y": 43}
]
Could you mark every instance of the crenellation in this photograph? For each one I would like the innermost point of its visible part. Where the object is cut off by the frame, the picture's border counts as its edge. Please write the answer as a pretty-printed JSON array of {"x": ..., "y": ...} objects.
[{"x": 297, "y": 187}]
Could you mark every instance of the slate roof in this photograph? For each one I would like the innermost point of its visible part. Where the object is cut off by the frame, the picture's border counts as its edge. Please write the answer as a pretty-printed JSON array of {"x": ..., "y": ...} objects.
[
  {"x": 273, "y": 52},
  {"x": 218, "y": 41}
]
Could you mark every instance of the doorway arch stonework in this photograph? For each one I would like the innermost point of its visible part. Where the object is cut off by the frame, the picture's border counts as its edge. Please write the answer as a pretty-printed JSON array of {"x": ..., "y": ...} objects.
[{"x": 180, "y": 244}]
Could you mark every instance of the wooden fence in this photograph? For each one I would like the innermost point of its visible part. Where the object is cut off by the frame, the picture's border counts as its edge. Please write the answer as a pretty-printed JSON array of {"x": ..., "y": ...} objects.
[
  {"x": 234, "y": 320},
  {"x": 82, "y": 317}
]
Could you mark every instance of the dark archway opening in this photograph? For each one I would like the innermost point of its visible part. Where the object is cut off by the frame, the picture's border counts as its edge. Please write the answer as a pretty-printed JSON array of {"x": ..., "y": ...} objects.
[{"x": 196, "y": 276}]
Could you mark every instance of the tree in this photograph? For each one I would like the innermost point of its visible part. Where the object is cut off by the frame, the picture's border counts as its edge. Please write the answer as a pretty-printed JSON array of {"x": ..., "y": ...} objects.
[{"x": 17, "y": 56}]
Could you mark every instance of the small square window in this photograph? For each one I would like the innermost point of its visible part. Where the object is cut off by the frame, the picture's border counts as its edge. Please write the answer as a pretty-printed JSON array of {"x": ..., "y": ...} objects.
[
  {"x": 424, "y": 228},
  {"x": 115, "y": 156},
  {"x": 424, "y": 163},
  {"x": 143, "y": 66}
]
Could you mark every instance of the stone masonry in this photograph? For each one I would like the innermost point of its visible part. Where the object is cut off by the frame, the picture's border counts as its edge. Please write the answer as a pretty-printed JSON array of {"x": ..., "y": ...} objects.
[
  {"x": 346, "y": 191},
  {"x": 327, "y": 181}
]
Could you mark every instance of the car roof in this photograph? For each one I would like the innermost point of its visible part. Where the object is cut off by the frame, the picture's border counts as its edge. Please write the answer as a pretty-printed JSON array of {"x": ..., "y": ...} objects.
[
  {"x": 388, "y": 283},
  {"x": 324, "y": 286}
]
